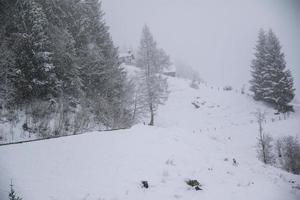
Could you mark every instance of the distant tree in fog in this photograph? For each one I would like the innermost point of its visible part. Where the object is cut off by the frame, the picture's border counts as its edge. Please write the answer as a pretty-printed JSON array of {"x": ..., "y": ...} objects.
[
  {"x": 187, "y": 72},
  {"x": 152, "y": 61}
]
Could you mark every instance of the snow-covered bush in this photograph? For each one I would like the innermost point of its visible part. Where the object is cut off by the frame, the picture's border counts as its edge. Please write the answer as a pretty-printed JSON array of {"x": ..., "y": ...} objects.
[
  {"x": 264, "y": 144},
  {"x": 265, "y": 149},
  {"x": 288, "y": 149},
  {"x": 194, "y": 84}
]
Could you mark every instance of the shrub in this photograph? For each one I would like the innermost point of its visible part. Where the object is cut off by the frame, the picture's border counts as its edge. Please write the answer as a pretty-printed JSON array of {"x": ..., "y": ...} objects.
[
  {"x": 227, "y": 88},
  {"x": 194, "y": 84},
  {"x": 288, "y": 149},
  {"x": 265, "y": 149}
]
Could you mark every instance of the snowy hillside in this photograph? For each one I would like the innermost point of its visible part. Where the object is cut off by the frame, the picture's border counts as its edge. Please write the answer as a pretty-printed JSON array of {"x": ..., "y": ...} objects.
[{"x": 186, "y": 143}]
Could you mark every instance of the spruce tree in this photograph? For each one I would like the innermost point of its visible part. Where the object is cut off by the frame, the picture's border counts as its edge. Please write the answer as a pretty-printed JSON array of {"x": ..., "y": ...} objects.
[
  {"x": 7, "y": 77},
  {"x": 12, "y": 194},
  {"x": 28, "y": 37},
  {"x": 278, "y": 89},
  {"x": 258, "y": 66},
  {"x": 44, "y": 79},
  {"x": 104, "y": 80},
  {"x": 271, "y": 82}
]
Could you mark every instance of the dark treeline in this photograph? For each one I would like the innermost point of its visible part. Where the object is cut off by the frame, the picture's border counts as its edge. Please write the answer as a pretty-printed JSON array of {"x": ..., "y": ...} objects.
[{"x": 60, "y": 68}]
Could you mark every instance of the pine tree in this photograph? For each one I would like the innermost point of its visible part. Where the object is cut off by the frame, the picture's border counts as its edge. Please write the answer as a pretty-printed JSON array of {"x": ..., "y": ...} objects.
[
  {"x": 44, "y": 79},
  {"x": 152, "y": 62},
  {"x": 258, "y": 66},
  {"x": 7, "y": 77},
  {"x": 271, "y": 81},
  {"x": 14, "y": 41},
  {"x": 67, "y": 68},
  {"x": 12, "y": 195},
  {"x": 104, "y": 80},
  {"x": 29, "y": 39},
  {"x": 278, "y": 89}
]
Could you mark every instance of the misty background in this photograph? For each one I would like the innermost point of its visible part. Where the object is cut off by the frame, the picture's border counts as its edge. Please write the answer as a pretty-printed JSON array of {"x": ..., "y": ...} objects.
[{"x": 215, "y": 37}]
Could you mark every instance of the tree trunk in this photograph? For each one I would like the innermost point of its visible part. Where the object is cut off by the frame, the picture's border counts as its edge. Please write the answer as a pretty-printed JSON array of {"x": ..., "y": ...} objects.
[
  {"x": 134, "y": 110},
  {"x": 152, "y": 115},
  {"x": 263, "y": 148}
]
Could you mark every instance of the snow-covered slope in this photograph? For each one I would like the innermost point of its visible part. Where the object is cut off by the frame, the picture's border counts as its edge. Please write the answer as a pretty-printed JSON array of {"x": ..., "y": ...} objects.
[{"x": 186, "y": 143}]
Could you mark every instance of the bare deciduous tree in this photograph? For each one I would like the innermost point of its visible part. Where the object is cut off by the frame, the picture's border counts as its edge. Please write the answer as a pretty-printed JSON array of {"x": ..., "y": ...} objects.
[{"x": 264, "y": 146}]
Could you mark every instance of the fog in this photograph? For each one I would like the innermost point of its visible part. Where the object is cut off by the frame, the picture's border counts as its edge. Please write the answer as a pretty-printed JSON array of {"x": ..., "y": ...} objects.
[{"x": 215, "y": 37}]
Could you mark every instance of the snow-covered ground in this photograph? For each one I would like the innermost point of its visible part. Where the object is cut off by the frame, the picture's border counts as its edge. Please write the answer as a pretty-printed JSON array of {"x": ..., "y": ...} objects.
[{"x": 186, "y": 143}]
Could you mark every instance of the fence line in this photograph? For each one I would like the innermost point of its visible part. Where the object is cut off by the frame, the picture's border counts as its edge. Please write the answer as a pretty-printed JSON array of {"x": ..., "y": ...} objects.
[{"x": 53, "y": 137}]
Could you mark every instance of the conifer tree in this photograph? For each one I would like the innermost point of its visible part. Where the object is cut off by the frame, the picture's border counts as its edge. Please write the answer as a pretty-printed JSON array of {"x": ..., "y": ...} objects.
[
  {"x": 62, "y": 50},
  {"x": 258, "y": 66},
  {"x": 152, "y": 61},
  {"x": 44, "y": 79},
  {"x": 12, "y": 194},
  {"x": 104, "y": 80},
  {"x": 271, "y": 82},
  {"x": 28, "y": 37},
  {"x": 278, "y": 89},
  {"x": 7, "y": 77}
]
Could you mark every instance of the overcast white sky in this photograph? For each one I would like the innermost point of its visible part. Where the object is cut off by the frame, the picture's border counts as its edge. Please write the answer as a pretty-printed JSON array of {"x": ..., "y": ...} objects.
[{"x": 216, "y": 37}]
